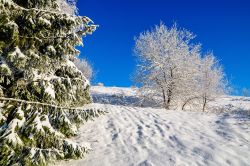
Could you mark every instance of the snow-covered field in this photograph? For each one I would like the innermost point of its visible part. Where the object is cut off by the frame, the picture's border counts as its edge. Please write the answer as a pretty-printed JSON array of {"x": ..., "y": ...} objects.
[{"x": 130, "y": 136}]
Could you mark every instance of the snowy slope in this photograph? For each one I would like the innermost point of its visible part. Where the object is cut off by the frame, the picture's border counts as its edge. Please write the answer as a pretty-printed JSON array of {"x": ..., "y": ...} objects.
[
  {"x": 115, "y": 95},
  {"x": 129, "y": 136}
]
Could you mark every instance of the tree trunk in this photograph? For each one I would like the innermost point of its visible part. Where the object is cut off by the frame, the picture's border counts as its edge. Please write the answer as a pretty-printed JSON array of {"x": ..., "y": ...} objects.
[
  {"x": 164, "y": 99},
  {"x": 170, "y": 89},
  {"x": 169, "y": 99},
  {"x": 204, "y": 104}
]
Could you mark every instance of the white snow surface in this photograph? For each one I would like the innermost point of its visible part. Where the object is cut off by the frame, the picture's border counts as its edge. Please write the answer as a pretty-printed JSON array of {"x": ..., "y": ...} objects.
[
  {"x": 113, "y": 90},
  {"x": 50, "y": 90},
  {"x": 17, "y": 53},
  {"x": 133, "y": 136}
]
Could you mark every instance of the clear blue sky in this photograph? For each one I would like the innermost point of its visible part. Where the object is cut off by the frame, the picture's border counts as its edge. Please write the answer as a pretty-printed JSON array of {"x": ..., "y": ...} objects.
[{"x": 220, "y": 25}]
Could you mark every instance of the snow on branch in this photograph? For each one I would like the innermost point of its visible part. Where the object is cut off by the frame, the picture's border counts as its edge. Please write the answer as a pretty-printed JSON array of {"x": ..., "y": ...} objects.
[
  {"x": 37, "y": 133},
  {"x": 172, "y": 70}
]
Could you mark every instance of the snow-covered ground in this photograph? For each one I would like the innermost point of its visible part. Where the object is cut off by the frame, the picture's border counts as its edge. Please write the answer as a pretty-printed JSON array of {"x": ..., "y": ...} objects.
[
  {"x": 115, "y": 95},
  {"x": 131, "y": 136}
]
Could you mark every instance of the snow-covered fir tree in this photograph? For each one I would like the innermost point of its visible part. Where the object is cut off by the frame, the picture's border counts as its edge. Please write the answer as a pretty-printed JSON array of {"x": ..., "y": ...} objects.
[{"x": 40, "y": 86}]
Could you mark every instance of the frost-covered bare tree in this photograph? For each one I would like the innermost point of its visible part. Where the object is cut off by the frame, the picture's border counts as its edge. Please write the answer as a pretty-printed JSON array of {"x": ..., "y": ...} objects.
[
  {"x": 211, "y": 82},
  {"x": 67, "y": 6},
  {"x": 84, "y": 66},
  {"x": 189, "y": 91},
  {"x": 207, "y": 83},
  {"x": 171, "y": 70},
  {"x": 164, "y": 62}
]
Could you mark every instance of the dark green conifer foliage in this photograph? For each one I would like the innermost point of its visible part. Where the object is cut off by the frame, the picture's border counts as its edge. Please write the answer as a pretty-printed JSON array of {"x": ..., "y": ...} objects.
[{"x": 39, "y": 83}]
